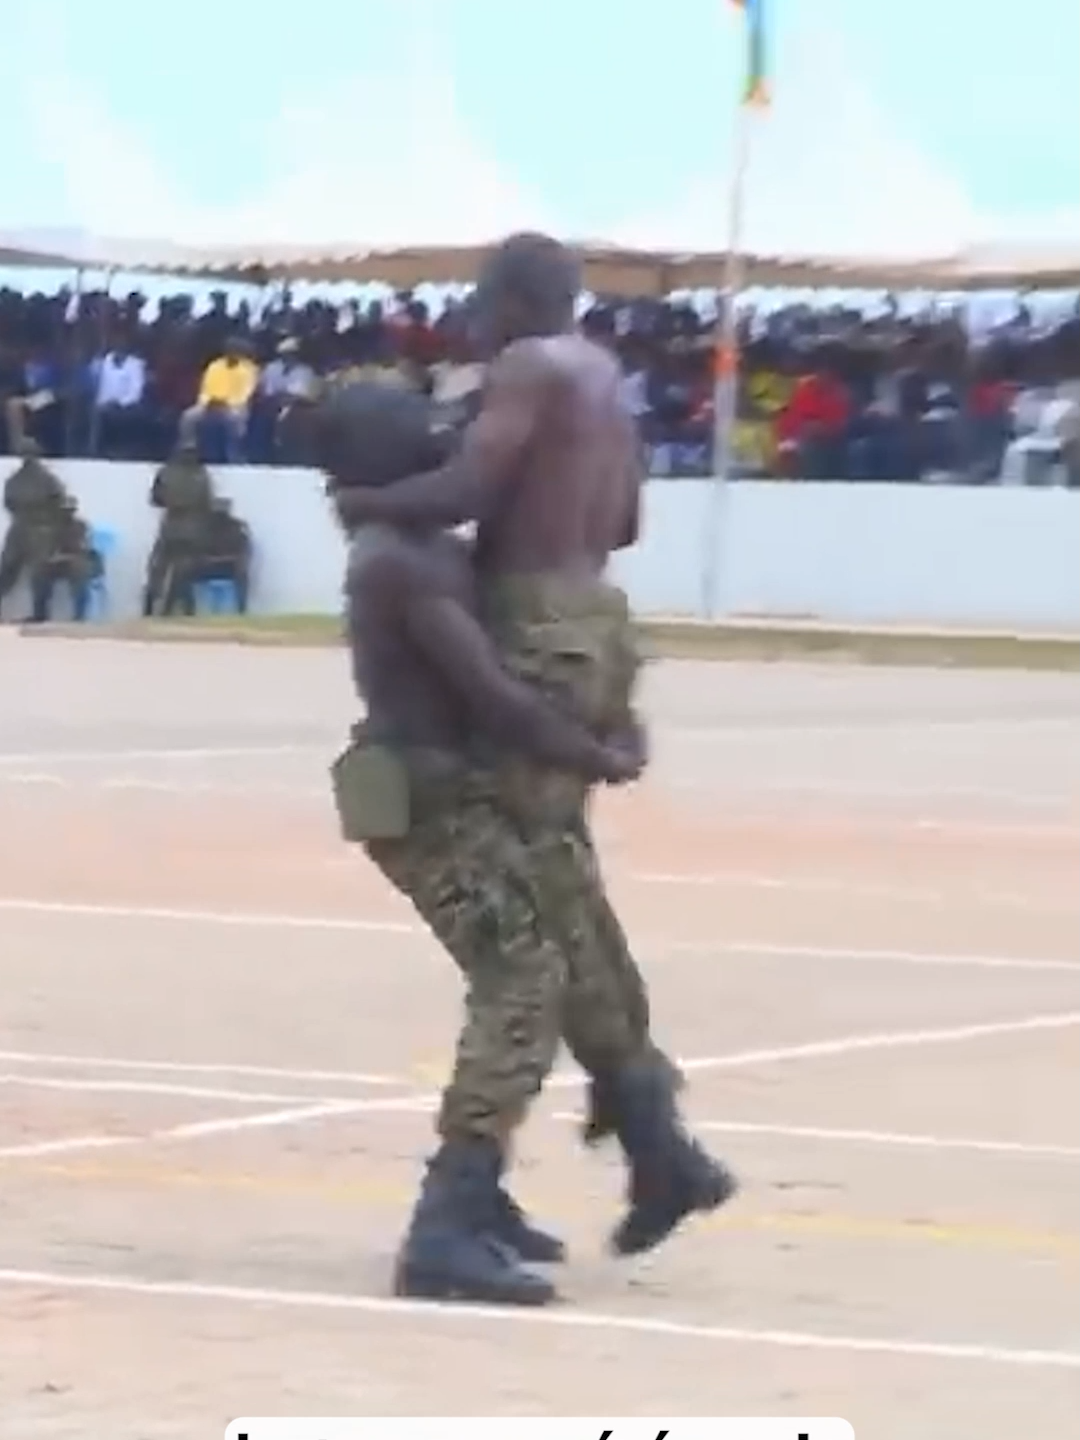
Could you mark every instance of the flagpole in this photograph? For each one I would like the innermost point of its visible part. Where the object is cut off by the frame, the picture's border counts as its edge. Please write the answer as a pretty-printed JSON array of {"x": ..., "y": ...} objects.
[{"x": 726, "y": 389}]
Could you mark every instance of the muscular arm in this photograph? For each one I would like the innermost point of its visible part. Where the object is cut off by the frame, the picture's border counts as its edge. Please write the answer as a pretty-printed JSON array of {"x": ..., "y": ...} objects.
[
  {"x": 468, "y": 487},
  {"x": 513, "y": 714}
]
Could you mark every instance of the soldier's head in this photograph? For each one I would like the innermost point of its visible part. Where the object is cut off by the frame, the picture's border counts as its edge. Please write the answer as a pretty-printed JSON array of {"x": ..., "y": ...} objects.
[
  {"x": 527, "y": 286},
  {"x": 370, "y": 434}
]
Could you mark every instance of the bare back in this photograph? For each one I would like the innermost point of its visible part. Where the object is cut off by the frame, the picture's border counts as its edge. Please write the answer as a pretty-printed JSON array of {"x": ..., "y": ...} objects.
[{"x": 575, "y": 493}]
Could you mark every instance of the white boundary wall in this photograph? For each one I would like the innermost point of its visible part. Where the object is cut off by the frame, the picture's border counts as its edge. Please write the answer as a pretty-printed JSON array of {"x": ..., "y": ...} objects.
[{"x": 845, "y": 553}]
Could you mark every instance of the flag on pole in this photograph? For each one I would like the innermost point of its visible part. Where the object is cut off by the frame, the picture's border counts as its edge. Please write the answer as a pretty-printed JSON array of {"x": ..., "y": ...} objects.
[{"x": 756, "y": 88}]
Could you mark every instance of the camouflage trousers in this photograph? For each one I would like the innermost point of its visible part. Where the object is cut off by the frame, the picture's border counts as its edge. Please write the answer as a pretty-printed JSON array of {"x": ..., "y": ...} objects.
[{"x": 542, "y": 952}]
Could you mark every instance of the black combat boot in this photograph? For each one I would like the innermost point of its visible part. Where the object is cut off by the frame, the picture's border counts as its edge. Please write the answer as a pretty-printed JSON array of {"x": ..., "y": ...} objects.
[
  {"x": 671, "y": 1175},
  {"x": 514, "y": 1228},
  {"x": 454, "y": 1249},
  {"x": 601, "y": 1099}
]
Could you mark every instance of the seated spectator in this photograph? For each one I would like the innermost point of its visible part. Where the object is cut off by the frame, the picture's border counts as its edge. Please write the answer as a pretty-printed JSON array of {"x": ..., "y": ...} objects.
[
  {"x": 940, "y": 455},
  {"x": 220, "y": 414},
  {"x": 284, "y": 381},
  {"x": 1048, "y": 420},
  {"x": 43, "y": 400},
  {"x": 812, "y": 427},
  {"x": 635, "y": 387},
  {"x": 118, "y": 403},
  {"x": 989, "y": 425},
  {"x": 286, "y": 376},
  {"x": 12, "y": 392}
]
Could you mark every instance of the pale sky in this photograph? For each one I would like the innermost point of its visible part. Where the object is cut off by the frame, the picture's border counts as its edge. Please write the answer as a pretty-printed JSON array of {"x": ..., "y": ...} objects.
[{"x": 898, "y": 125}]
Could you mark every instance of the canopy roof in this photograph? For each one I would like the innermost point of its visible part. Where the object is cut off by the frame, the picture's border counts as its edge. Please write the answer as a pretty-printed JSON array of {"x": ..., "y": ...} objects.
[{"x": 609, "y": 268}]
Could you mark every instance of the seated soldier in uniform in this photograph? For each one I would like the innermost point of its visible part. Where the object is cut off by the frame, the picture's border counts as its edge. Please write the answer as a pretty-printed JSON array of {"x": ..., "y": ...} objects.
[
  {"x": 418, "y": 790},
  {"x": 71, "y": 559},
  {"x": 225, "y": 555},
  {"x": 33, "y": 497}
]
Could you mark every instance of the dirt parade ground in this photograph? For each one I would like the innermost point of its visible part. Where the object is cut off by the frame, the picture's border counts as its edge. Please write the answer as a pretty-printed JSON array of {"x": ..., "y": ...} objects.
[{"x": 854, "y": 892}]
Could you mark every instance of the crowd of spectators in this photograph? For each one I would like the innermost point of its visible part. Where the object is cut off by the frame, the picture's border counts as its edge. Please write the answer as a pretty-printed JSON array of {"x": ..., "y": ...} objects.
[{"x": 823, "y": 393}]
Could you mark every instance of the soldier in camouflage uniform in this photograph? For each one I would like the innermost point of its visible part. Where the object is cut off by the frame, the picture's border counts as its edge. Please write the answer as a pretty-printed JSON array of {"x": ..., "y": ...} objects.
[
  {"x": 225, "y": 554},
  {"x": 418, "y": 788},
  {"x": 71, "y": 560},
  {"x": 33, "y": 498},
  {"x": 184, "y": 492},
  {"x": 550, "y": 471}
]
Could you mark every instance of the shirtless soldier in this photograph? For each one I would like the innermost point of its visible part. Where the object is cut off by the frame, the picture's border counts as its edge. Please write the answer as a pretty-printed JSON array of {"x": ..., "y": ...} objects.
[
  {"x": 550, "y": 470},
  {"x": 417, "y": 787}
]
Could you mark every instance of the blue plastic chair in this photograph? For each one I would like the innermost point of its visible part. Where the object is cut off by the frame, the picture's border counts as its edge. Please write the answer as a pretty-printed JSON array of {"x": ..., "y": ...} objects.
[
  {"x": 218, "y": 597},
  {"x": 103, "y": 541}
]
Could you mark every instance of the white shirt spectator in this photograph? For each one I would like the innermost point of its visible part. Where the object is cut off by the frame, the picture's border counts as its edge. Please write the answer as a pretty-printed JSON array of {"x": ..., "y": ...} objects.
[
  {"x": 1047, "y": 422},
  {"x": 121, "y": 380},
  {"x": 634, "y": 393},
  {"x": 287, "y": 378}
]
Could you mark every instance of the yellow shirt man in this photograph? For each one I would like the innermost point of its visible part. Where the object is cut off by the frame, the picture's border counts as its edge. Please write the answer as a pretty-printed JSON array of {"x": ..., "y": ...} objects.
[{"x": 229, "y": 381}]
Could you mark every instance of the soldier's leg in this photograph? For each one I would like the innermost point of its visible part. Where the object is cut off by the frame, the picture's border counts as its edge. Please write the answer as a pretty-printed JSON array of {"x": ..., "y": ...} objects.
[
  {"x": 632, "y": 1084},
  {"x": 180, "y": 584},
  {"x": 157, "y": 570},
  {"x": 12, "y": 557},
  {"x": 242, "y": 581},
  {"x": 43, "y": 579},
  {"x": 473, "y": 882},
  {"x": 606, "y": 1014}
]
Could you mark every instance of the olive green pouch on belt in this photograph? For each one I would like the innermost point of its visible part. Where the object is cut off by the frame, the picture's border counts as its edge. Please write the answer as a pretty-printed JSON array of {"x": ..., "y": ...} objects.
[{"x": 371, "y": 792}]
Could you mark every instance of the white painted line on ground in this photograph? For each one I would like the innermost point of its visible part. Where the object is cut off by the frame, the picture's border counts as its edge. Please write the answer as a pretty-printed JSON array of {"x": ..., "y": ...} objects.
[
  {"x": 1006, "y": 832},
  {"x": 885, "y": 823},
  {"x": 92, "y": 1084},
  {"x": 185, "y": 1067},
  {"x": 884, "y": 1040},
  {"x": 199, "y": 1129},
  {"x": 841, "y": 1045},
  {"x": 96, "y": 757},
  {"x": 837, "y": 885},
  {"x": 185, "y": 788},
  {"x": 877, "y": 1137},
  {"x": 1047, "y": 829},
  {"x": 874, "y": 790},
  {"x": 350, "y": 923},
  {"x": 301, "y": 1109},
  {"x": 558, "y": 1317},
  {"x": 767, "y": 951},
  {"x": 212, "y": 917},
  {"x": 31, "y": 777},
  {"x": 1000, "y": 833},
  {"x": 33, "y": 1148},
  {"x": 265, "y": 1120},
  {"x": 873, "y": 728}
]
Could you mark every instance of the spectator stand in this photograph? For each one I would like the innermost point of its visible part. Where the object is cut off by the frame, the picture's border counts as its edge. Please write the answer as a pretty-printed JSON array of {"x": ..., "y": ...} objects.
[{"x": 864, "y": 390}]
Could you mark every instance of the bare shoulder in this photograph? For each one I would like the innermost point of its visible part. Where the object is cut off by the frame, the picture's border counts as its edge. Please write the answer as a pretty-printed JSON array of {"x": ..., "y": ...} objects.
[{"x": 530, "y": 361}]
